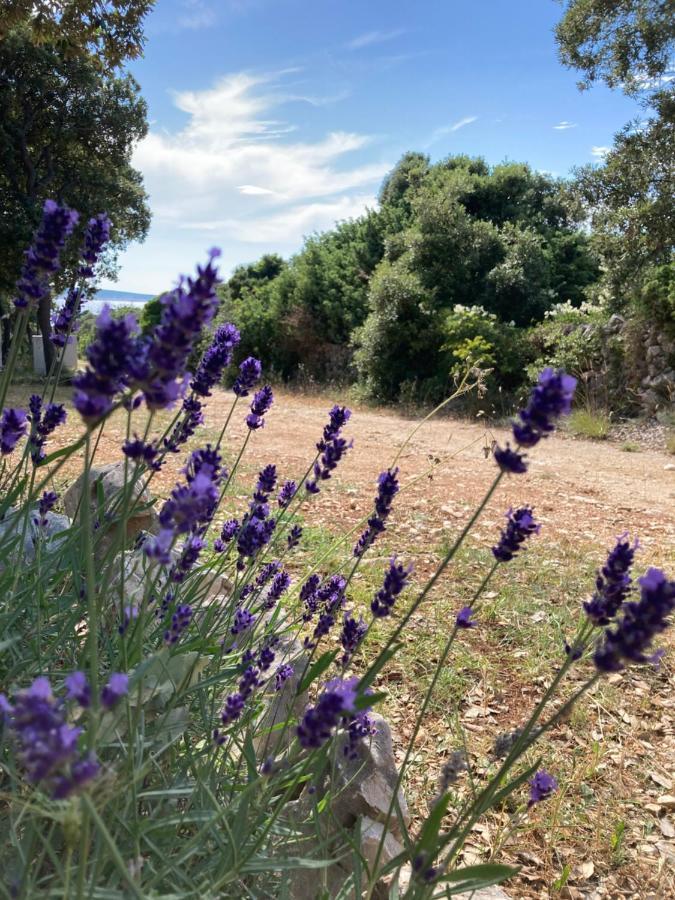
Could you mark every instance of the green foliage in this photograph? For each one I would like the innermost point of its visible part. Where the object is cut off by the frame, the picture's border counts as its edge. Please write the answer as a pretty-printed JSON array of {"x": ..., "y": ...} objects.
[
  {"x": 631, "y": 201},
  {"x": 657, "y": 298},
  {"x": 476, "y": 337},
  {"x": 504, "y": 239},
  {"x": 626, "y": 43},
  {"x": 110, "y": 30},
  {"x": 151, "y": 314},
  {"x": 371, "y": 297}
]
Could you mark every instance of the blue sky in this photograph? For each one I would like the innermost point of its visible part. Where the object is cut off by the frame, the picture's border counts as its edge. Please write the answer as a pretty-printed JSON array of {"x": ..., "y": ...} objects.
[{"x": 270, "y": 119}]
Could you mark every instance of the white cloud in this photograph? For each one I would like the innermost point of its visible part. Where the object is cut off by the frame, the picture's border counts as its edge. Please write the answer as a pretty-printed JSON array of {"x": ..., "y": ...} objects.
[
  {"x": 238, "y": 173},
  {"x": 374, "y": 37},
  {"x": 563, "y": 126},
  {"x": 600, "y": 152},
  {"x": 448, "y": 129},
  {"x": 197, "y": 15}
]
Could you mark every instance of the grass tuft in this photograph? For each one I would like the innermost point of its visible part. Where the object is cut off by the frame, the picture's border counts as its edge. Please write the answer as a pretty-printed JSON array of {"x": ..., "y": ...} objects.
[{"x": 591, "y": 424}]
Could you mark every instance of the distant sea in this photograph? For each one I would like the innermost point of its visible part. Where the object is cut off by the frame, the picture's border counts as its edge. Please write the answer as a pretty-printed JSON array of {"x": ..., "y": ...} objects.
[{"x": 116, "y": 298}]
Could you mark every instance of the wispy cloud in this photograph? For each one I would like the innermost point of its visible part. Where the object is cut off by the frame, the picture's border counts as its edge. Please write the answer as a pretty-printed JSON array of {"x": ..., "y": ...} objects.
[
  {"x": 374, "y": 37},
  {"x": 438, "y": 133},
  {"x": 197, "y": 14},
  {"x": 235, "y": 154},
  {"x": 563, "y": 126},
  {"x": 600, "y": 152}
]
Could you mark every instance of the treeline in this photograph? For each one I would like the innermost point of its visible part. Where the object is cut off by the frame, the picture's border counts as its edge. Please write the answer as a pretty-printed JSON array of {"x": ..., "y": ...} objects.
[{"x": 456, "y": 264}]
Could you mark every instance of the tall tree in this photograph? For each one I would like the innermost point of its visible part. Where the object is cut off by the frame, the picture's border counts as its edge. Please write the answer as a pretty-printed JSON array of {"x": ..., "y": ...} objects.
[
  {"x": 67, "y": 131},
  {"x": 108, "y": 30},
  {"x": 625, "y": 43},
  {"x": 629, "y": 44}
]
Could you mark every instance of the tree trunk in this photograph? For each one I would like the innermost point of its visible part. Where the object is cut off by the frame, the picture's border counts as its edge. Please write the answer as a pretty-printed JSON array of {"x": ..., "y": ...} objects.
[{"x": 45, "y": 324}]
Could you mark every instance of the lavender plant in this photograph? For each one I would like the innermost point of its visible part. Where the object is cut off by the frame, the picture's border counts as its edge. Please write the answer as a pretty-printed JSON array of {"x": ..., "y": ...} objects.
[{"x": 180, "y": 707}]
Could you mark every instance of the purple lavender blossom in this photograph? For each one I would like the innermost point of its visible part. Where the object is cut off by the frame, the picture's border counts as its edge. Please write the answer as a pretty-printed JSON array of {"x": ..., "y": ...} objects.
[
  {"x": 269, "y": 570},
  {"x": 13, "y": 426},
  {"x": 463, "y": 619},
  {"x": 227, "y": 534},
  {"x": 243, "y": 620},
  {"x": 250, "y": 371},
  {"x": 286, "y": 493},
  {"x": 329, "y": 598},
  {"x": 46, "y": 745},
  {"x": 260, "y": 406},
  {"x": 613, "y": 583},
  {"x": 338, "y": 417},
  {"x": 78, "y": 689},
  {"x": 353, "y": 632},
  {"x": 293, "y": 537},
  {"x": 215, "y": 360},
  {"x": 542, "y": 785},
  {"x": 395, "y": 580},
  {"x": 253, "y": 535},
  {"x": 190, "y": 507},
  {"x": 106, "y": 374},
  {"x": 387, "y": 488},
  {"x": 129, "y": 614},
  {"x": 331, "y": 446},
  {"x": 42, "y": 425},
  {"x": 180, "y": 620},
  {"x": 266, "y": 658},
  {"x": 550, "y": 398},
  {"x": 280, "y": 584},
  {"x": 96, "y": 236},
  {"x": 510, "y": 461},
  {"x": 159, "y": 366},
  {"x": 189, "y": 555},
  {"x": 42, "y": 259},
  {"x": 234, "y": 706},
  {"x": 327, "y": 463},
  {"x": 193, "y": 417},
  {"x": 46, "y": 505},
  {"x": 65, "y": 322},
  {"x": 116, "y": 688},
  {"x": 141, "y": 452},
  {"x": 282, "y": 674},
  {"x": 308, "y": 596},
  {"x": 519, "y": 526},
  {"x": 360, "y": 727},
  {"x": 336, "y": 703},
  {"x": 641, "y": 621}
]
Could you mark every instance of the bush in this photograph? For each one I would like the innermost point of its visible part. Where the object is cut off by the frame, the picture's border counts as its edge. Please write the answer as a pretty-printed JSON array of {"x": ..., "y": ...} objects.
[{"x": 170, "y": 725}]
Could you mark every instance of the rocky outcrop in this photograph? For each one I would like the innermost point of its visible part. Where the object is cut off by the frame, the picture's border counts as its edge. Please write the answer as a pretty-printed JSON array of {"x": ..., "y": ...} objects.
[{"x": 657, "y": 389}]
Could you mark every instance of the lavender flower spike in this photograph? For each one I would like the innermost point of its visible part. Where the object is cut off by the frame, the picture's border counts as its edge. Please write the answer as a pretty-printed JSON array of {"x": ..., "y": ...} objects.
[
  {"x": 550, "y": 398},
  {"x": 46, "y": 745},
  {"x": 42, "y": 259},
  {"x": 612, "y": 584},
  {"x": 519, "y": 526},
  {"x": 13, "y": 426},
  {"x": 642, "y": 620}
]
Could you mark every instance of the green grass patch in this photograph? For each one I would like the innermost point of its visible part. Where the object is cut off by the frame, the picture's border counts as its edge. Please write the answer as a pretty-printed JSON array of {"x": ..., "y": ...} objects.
[{"x": 592, "y": 424}]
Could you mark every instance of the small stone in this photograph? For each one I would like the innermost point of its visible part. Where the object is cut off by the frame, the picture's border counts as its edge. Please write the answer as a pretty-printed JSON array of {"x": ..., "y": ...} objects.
[{"x": 111, "y": 480}]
